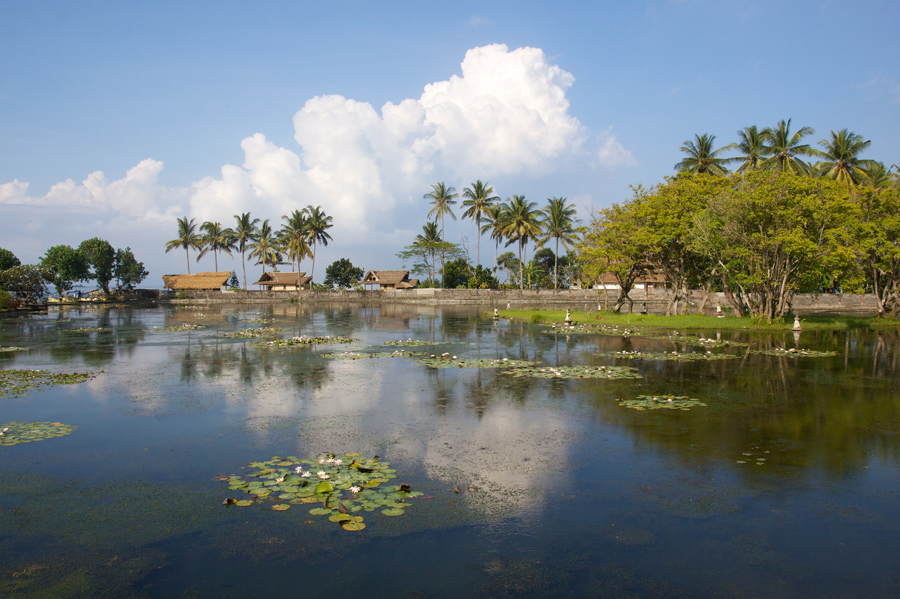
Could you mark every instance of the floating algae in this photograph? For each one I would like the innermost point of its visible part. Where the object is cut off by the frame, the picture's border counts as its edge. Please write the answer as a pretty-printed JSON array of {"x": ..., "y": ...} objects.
[
  {"x": 661, "y": 402},
  {"x": 13, "y": 433},
  {"x": 14, "y": 383},
  {"x": 575, "y": 372},
  {"x": 304, "y": 341},
  {"x": 337, "y": 486}
]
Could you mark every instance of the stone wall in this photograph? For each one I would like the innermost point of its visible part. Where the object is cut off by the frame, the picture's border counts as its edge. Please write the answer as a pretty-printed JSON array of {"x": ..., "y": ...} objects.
[{"x": 575, "y": 299}]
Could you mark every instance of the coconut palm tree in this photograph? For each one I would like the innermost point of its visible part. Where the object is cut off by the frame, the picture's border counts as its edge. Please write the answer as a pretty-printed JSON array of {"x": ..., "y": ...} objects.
[
  {"x": 442, "y": 200},
  {"x": 317, "y": 225},
  {"x": 187, "y": 239},
  {"x": 559, "y": 224},
  {"x": 428, "y": 239},
  {"x": 783, "y": 149},
  {"x": 215, "y": 239},
  {"x": 876, "y": 175},
  {"x": 521, "y": 223},
  {"x": 842, "y": 161},
  {"x": 244, "y": 231},
  {"x": 493, "y": 224},
  {"x": 701, "y": 158},
  {"x": 752, "y": 146},
  {"x": 479, "y": 198},
  {"x": 262, "y": 246},
  {"x": 294, "y": 237}
]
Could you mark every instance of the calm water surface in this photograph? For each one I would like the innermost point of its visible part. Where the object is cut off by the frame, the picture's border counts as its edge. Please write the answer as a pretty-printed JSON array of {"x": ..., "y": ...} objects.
[{"x": 571, "y": 494}]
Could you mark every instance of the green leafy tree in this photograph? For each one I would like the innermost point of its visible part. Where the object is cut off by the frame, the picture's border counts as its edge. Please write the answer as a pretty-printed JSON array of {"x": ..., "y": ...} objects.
[
  {"x": 483, "y": 278},
  {"x": 523, "y": 224},
  {"x": 478, "y": 200},
  {"x": 244, "y": 231},
  {"x": 101, "y": 257},
  {"x": 560, "y": 225},
  {"x": 342, "y": 274},
  {"x": 456, "y": 273},
  {"x": 8, "y": 260},
  {"x": 493, "y": 224},
  {"x": 509, "y": 263},
  {"x": 26, "y": 282},
  {"x": 188, "y": 238},
  {"x": 215, "y": 239},
  {"x": 424, "y": 249},
  {"x": 127, "y": 271},
  {"x": 701, "y": 158},
  {"x": 784, "y": 149},
  {"x": 317, "y": 223},
  {"x": 63, "y": 266},
  {"x": 842, "y": 162},
  {"x": 879, "y": 252},
  {"x": 442, "y": 202}
]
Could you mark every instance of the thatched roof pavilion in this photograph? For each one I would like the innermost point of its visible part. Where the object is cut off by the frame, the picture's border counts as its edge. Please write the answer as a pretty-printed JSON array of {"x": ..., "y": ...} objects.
[
  {"x": 201, "y": 280},
  {"x": 389, "y": 279},
  {"x": 283, "y": 281}
]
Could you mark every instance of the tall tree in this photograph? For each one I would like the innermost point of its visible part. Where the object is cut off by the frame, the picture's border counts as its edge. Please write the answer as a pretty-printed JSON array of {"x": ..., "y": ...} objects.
[
  {"x": 522, "y": 224},
  {"x": 842, "y": 162},
  {"x": 262, "y": 246},
  {"x": 559, "y": 224},
  {"x": 479, "y": 199},
  {"x": 752, "y": 146},
  {"x": 701, "y": 158},
  {"x": 215, "y": 239},
  {"x": 876, "y": 175},
  {"x": 317, "y": 223},
  {"x": 784, "y": 149},
  {"x": 442, "y": 201},
  {"x": 127, "y": 271},
  {"x": 428, "y": 240},
  {"x": 63, "y": 266},
  {"x": 294, "y": 238},
  {"x": 188, "y": 238},
  {"x": 244, "y": 231},
  {"x": 100, "y": 256},
  {"x": 8, "y": 260},
  {"x": 493, "y": 224}
]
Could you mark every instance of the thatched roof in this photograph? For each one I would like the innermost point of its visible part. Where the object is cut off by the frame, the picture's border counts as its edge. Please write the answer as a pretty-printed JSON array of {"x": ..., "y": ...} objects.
[
  {"x": 408, "y": 284},
  {"x": 201, "y": 280},
  {"x": 282, "y": 278},
  {"x": 385, "y": 277}
]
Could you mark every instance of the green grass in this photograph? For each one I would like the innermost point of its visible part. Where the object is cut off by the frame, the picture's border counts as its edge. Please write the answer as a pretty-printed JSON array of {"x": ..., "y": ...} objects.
[{"x": 697, "y": 321}]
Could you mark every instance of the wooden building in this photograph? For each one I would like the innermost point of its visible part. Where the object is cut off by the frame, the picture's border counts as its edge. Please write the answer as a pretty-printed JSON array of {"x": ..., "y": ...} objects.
[
  {"x": 283, "y": 281},
  {"x": 389, "y": 279}
]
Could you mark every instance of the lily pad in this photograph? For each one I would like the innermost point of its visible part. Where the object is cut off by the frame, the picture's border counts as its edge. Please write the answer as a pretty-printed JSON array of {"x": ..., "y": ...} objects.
[
  {"x": 795, "y": 353},
  {"x": 243, "y": 502},
  {"x": 178, "y": 328},
  {"x": 15, "y": 383},
  {"x": 13, "y": 433},
  {"x": 575, "y": 372},
  {"x": 393, "y": 512},
  {"x": 280, "y": 507},
  {"x": 353, "y": 526},
  {"x": 11, "y": 348},
  {"x": 253, "y": 333},
  {"x": 667, "y": 355},
  {"x": 448, "y": 361},
  {"x": 349, "y": 355},
  {"x": 304, "y": 342},
  {"x": 661, "y": 402}
]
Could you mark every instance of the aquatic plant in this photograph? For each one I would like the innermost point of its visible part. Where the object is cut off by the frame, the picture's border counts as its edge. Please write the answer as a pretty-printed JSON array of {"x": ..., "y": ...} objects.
[
  {"x": 253, "y": 333},
  {"x": 575, "y": 372},
  {"x": 661, "y": 402},
  {"x": 343, "y": 485},
  {"x": 409, "y": 342},
  {"x": 175, "y": 328},
  {"x": 87, "y": 329},
  {"x": 795, "y": 353},
  {"x": 13, "y": 433},
  {"x": 304, "y": 341},
  {"x": 446, "y": 360},
  {"x": 15, "y": 383},
  {"x": 12, "y": 348},
  {"x": 349, "y": 355},
  {"x": 666, "y": 355}
]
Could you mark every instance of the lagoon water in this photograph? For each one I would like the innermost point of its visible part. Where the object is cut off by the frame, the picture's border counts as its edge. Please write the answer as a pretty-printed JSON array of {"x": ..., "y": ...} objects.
[{"x": 786, "y": 484}]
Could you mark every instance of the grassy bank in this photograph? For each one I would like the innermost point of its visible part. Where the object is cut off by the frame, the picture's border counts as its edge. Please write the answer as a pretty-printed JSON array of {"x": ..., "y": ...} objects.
[{"x": 697, "y": 321}]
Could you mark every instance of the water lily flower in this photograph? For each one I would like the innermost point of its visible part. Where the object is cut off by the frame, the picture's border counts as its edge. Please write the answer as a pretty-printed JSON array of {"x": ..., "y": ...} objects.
[
  {"x": 298, "y": 469},
  {"x": 354, "y": 490},
  {"x": 305, "y": 474},
  {"x": 279, "y": 480},
  {"x": 321, "y": 474},
  {"x": 322, "y": 461},
  {"x": 338, "y": 462}
]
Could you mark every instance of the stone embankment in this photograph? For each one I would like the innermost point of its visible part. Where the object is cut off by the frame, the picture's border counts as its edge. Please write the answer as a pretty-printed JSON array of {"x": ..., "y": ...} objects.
[{"x": 576, "y": 299}]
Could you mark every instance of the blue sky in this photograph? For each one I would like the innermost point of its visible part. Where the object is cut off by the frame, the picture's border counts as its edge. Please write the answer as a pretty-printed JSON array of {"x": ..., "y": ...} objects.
[{"x": 121, "y": 117}]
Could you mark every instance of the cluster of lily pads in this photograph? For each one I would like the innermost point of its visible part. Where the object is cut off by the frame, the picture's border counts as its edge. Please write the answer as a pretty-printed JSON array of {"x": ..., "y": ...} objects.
[
  {"x": 661, "y": 402},
  {"x": 14, "y": 382},
  {"x": 339, "y": 486},
  {"x": 261, "y": 320},
  {"x": 253, "y": 333},
  {"x": 666, "y": 355},
  {"x": 408, "y": 342},
  {"x": 87, "y": 329},
  {"x": 349, "y": 355},
  {"x": 707, "y": 342},
  {"x": 305, "y": 341},
  {"x": 447, "y": 361},
  {"x": 759, "y": 461},
  {"x": 175, "y": 328},
  {"x": 575, "y": 372},
  {"x": 796, "y": 353},
  {"x": 12, "y": 348},
  {"x": 13, "y": 433}
]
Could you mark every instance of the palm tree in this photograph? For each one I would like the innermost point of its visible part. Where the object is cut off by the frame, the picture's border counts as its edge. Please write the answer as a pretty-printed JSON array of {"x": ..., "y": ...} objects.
[
  {"x": 842, "y": 157},
  {"x": 442, "y": 200},
  {"x": 294, "y": 237},
  {"x": 783, "y": 149},
  {"x": 215, "y": 239},
  {"x": 427, "y": 240},
  {"x": 560, "y": 225},
  {"x": 494, "y": 225},
  {"x": 244, "y": 232},
  {"x": 876, "y": 175},
  {"x": 701, "y": 158},
  {"x": 752, "y": 146},
  {"x": 522, "y": 223},
  {"x": 478, "y": 201},
  {"x": 317, "y": 224},
  {"x": 187, "y": 239},
  {"x": 262, "y": 246}
]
